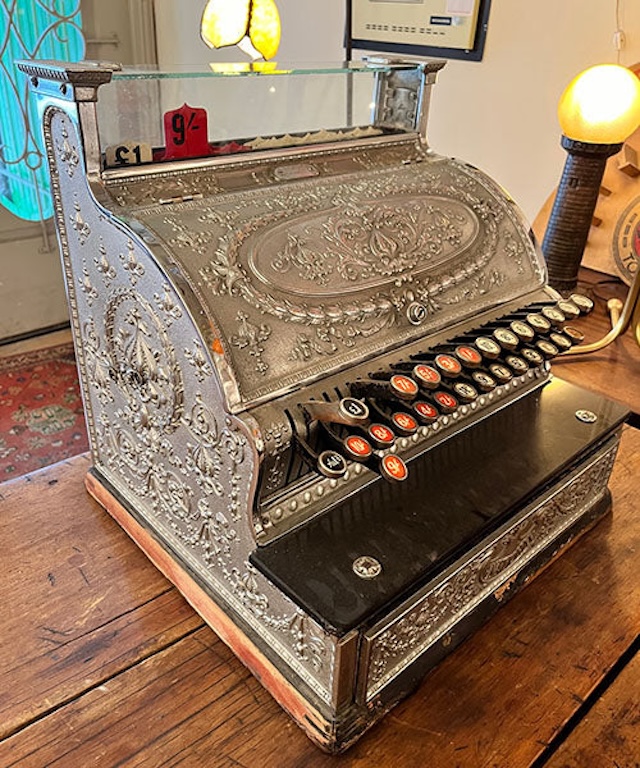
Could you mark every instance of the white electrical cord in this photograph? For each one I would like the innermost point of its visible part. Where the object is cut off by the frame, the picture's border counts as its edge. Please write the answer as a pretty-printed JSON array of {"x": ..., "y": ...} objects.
[{"x": 618, "y": 35}]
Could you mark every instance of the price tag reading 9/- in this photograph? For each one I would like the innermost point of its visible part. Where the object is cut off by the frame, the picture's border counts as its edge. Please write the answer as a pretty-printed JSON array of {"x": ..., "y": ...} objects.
[{"x": 185, "y": 133}]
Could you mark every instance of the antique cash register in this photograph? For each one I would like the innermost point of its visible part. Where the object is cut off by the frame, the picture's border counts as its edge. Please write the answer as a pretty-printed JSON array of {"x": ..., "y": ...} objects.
[{"x": 315, "y": 361}]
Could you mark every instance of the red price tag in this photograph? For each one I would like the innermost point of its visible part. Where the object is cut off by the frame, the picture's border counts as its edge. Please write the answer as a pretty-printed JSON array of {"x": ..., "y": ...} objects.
[{"x": 185, "y": 133}]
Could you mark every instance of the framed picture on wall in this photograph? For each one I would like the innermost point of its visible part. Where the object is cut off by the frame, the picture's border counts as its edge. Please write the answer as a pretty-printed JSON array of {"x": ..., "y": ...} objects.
[{"x": 450, "y": 29}]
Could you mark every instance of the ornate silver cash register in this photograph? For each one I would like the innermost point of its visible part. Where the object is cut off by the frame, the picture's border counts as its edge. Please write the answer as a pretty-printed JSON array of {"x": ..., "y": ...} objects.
[{"x": 315, "y": 360}]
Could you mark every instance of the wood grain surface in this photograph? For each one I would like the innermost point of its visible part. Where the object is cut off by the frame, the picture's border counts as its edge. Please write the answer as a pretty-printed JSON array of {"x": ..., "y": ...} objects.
[
  {"x": 104, "y": 664},
  {"x": 78, "y": 603},
  {"x": 609, "y": 735}
]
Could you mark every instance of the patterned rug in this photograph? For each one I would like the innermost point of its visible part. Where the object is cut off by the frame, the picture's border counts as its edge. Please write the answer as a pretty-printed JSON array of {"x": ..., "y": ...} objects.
[{"x": 41, "y": 416}]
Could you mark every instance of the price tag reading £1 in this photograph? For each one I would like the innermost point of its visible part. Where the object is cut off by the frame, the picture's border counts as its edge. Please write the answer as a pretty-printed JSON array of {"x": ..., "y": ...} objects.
[{"x": 127, "y": 153}]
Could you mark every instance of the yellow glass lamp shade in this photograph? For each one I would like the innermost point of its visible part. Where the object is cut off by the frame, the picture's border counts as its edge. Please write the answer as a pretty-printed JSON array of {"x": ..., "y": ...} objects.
[
  {"x": 601, "y": 105},
  {"x": 228, "y": 22}
]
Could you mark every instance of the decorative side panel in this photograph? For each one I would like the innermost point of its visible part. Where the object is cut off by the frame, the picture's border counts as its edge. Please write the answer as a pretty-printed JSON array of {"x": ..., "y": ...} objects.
[
  {"x": 159, "y": 430},
  {"x": 396, "y": 645}
]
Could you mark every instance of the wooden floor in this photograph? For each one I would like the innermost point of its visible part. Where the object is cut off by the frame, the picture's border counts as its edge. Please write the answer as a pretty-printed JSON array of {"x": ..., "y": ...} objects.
[{"x": 103, "y": 663}]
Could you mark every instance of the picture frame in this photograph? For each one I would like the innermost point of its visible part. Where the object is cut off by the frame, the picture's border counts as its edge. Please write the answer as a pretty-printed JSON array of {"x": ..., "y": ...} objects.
[{"x": 449, "y": 29}]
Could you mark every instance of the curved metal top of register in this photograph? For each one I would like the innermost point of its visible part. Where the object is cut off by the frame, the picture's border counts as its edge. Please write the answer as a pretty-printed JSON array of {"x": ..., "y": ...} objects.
[{"x": 313, "y": 226}]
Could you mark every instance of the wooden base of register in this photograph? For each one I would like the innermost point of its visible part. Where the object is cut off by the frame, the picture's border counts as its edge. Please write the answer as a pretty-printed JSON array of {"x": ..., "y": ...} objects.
[
  {"x": 338, "y": 734},
  {"x": 196, "y": 596}
]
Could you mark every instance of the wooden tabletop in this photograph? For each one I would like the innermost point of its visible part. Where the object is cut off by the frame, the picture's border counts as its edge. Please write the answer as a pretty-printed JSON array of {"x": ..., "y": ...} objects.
[
  {"x": 103, "y": 663},
  {"x": 614, "y": 370}
]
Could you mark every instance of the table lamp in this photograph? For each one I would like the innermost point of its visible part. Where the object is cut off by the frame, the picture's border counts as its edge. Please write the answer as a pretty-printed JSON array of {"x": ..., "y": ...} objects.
[
  {"x": 252, "y": 25},
  {"x": 598, "y": 110}
]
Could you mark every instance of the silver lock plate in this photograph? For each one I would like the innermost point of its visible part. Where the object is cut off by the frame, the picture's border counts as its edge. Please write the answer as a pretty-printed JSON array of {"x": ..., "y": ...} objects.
[
  {"x": 367, "y": 567},
  {"x": 588, "y": 417}
]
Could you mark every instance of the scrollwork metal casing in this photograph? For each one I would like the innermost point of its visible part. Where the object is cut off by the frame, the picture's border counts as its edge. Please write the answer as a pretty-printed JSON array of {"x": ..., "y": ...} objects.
[
  {"x": 196, "y": 321},
  {"x": 160, "y": 432}
]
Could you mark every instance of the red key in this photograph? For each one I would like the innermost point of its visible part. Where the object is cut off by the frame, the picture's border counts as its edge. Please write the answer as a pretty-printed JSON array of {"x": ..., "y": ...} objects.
[
  {"x": 469, "y": 356},
  {"x": 447, "y": 402},
  {"x": 358, "y": 448},
  {"x": 449, "y": 365},
  {"x": 381, "y": 435},
  {"x": 404, "y": 423},
  {"x": 404, "y": 385},
  {"x": 393, "y": 468},
  {"x": 427, "y": 376},
  {"x": 427, "y": 412}
]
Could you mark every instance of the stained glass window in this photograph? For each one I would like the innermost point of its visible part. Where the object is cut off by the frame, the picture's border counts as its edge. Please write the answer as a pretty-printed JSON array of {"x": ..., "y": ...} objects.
[{"x": 30, "y": 29}]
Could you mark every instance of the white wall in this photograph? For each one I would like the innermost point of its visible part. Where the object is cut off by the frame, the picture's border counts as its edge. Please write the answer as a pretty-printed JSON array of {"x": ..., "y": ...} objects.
[
  {"x": 313, "y": 31},
  {"x": 32, "y": 292},
  {"x": 499, "y": 114},
  {"x": 31, "y": 288}
]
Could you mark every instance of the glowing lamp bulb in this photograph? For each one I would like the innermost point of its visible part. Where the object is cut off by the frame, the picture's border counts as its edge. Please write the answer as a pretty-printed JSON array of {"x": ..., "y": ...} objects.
[
  {"x": 252, "y": 25},
  {"x": 601, "y": 105}
]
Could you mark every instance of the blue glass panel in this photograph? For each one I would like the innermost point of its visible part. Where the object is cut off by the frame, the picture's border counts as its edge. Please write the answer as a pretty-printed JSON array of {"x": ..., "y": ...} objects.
[{"x": 30, "y": 29}]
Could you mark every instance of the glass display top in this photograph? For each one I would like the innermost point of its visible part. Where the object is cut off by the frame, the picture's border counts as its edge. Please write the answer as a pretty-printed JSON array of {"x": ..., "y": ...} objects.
[
  {"x": 148, "y": 115},
  {"x": 252, "y": 69}
]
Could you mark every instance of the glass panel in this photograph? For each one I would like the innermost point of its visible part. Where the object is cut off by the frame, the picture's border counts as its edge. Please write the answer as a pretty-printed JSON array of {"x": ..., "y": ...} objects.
[
  {"x": 256, "y": 69},
  {"x": 247, "y": 107}
]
